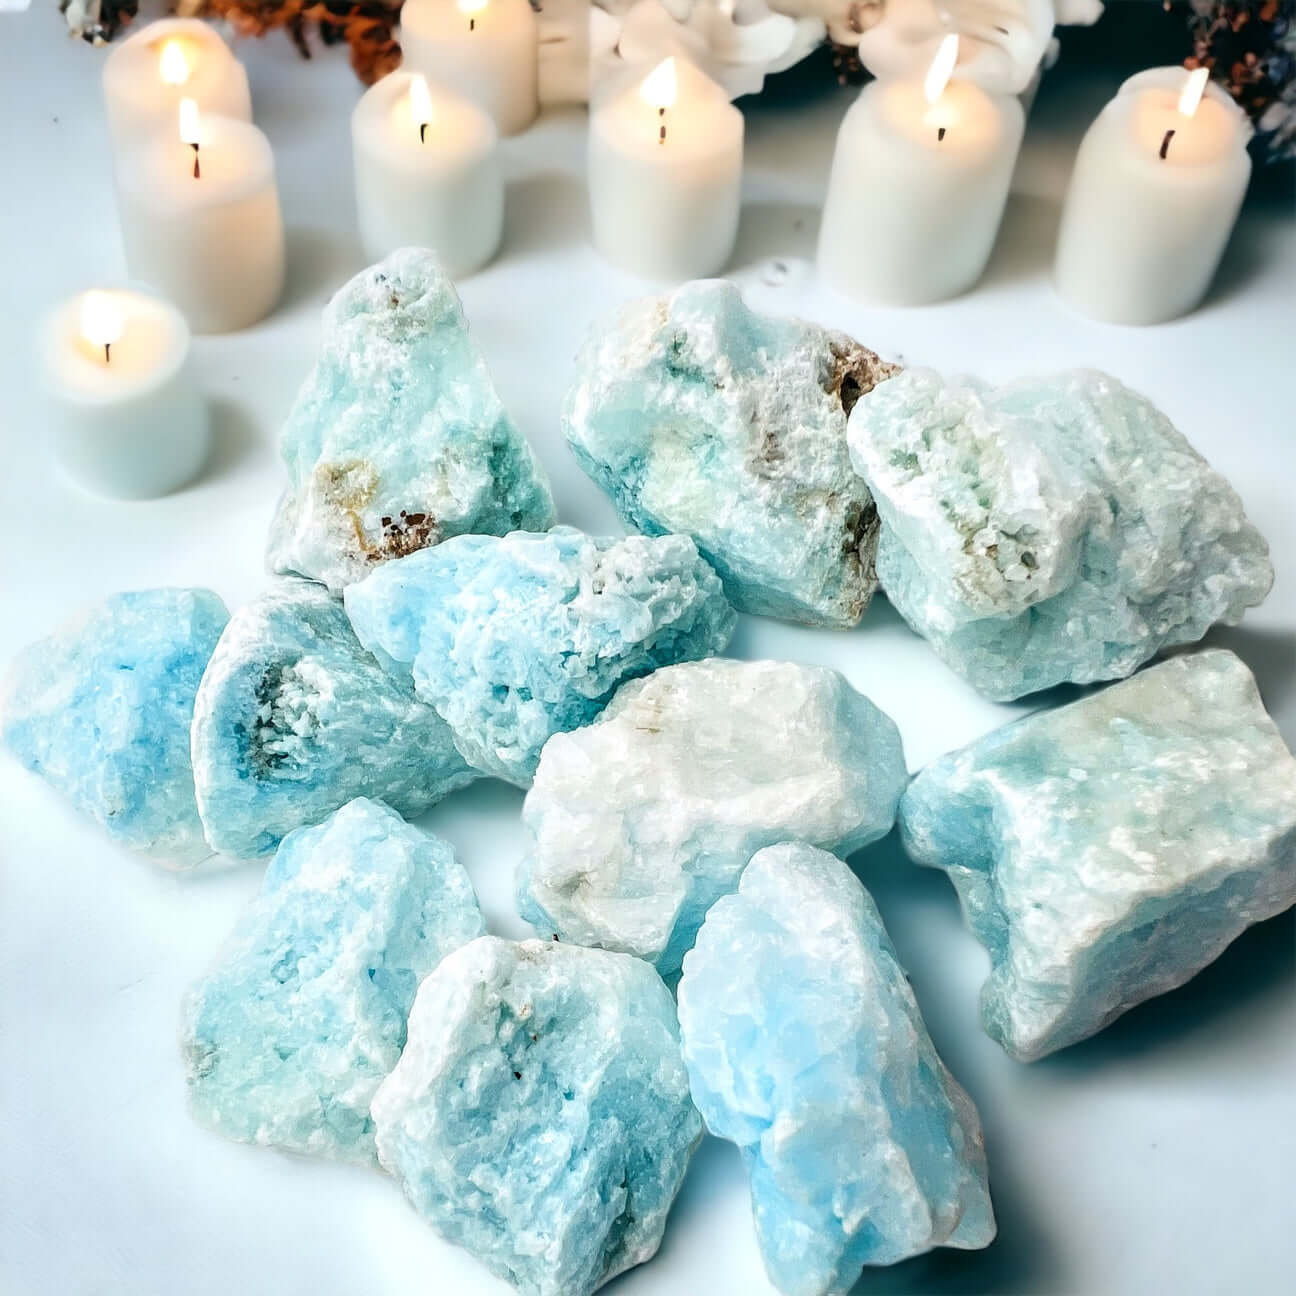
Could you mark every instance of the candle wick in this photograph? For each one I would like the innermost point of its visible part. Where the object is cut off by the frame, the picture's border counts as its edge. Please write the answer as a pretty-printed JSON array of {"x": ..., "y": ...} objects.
[
  {"x": 661, "y": 134},
  {"x": 940, "y": 134},
  {"x": 197, "y": 174},
  {"x": 107, "y": 349},
  {"x": 1165, "y": 143},
  {"x": 423, "y": 132},
  {"x": 472, "y": 24}
]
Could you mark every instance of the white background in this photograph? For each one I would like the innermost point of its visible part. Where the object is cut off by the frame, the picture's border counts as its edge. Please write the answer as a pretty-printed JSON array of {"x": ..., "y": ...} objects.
[{"x": 1156, "y": 1158}]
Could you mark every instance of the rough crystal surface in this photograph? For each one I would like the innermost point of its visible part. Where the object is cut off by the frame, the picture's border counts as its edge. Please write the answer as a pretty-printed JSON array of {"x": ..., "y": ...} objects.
[
  {"x": 1107, "y": 851},
  {"x": 805, "y": 1047},
  {"x": 639, "y": 822},
  {"x": 518, "y": 638},
  {"x": 294, "y": 718},
  {"x": 286, "y": 1040},
  {"x": 398, "y": 439},
  {"x": 101, "y": 710},
  {"x": 540, "y": 1115},
  {"x": 1053, "y": 529},
  {"x": 700, "y": 416}
]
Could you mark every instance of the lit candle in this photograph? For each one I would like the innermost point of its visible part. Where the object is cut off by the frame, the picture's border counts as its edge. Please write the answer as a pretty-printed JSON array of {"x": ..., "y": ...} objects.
[
  {"x": 200, "y": 219},
  {"x": 1157, "y": 186},
  {"x": 920, "y": 177},
  {"x": 665, "y": 174},
  {"x": 123, "y": 414},
  {"x": 427, "y": 173},
  {"x": 486, "y": 50},
  {"x": 146, "y": 76}
]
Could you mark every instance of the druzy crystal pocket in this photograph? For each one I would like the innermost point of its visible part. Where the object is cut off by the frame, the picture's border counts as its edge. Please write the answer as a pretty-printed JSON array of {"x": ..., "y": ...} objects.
[{"x": 1107, "y": 851}]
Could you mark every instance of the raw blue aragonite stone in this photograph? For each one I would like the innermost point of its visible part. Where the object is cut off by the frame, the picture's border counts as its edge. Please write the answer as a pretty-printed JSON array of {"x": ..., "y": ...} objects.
[
  {"x": 805, "y": 1047},
  {"x": 639, "y": 822},
  {"x": 398, "y": 438},
  {"x": 101, "y": 710},
  {"x": 1053, "y": 529},
  {"x": 287, "y": 1038},
  {"x": 1107, "y": 851},
  {"x": 294, "y": 719},
  {"x": 699, "y": 416},
  {"x": 518, "y": 638},
  {"x": 540, "y": 1114}
]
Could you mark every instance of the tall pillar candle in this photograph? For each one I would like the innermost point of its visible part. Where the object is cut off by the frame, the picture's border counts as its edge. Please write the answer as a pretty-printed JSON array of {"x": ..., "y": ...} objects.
[
  {"x": 427, "y": 173},
  {"x": 665, "y": 174},
  {"x": 486, "y": 50},
  {"x": 201, "y": 222},
  {"x": 146, "y": 76},
  {"x": 1158, "y": 183},
  {"x": 920, "y": 177},
  {"x": 122, "y": 411}
]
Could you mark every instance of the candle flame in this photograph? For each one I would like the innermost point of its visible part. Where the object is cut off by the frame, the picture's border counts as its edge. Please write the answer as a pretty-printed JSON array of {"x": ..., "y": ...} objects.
[
  {"x": 659, "y": 86},
  {"x": 1193, "y": 89},
  {"x": 189, "y": 122},
  {"x": 101, "y": 319},
  {"x": 420, "y": 100},
  {"x": 472, "y": 6},
  {"x": 942, "y": 68},
  {"x": 173, "y": 67}
]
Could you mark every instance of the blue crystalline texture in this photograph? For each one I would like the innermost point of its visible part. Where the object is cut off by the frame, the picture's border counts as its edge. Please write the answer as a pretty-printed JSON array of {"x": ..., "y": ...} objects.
[
  {"x": 1055, "y": 529},
  {"x": 1107, "y": 851},
  {"x": 398, "y": 439},
  {"x": 540, "y": 1116},
  {"x": 697, "y": 415},
  {"x": 294, "y": 719},
  {"x": 286, "y": 1040},
  {"x": 516, "y": 639},
  {"x": 101, "y": 710},
  {"x": 639, "y": 822},
  {"x": 806, "y": 1048}
]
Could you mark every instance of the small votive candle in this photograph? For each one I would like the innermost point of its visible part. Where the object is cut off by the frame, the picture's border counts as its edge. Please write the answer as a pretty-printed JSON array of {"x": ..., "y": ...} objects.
[
  {"x": 125, "y": 418},
  {"x": 427, "y": 173},
  {"x": 1158, "y": 183},
  {"x": 201, "y": 222},
  {"x": 920, "y": 178},
  {"x": 146, "y": 76},
  {"x": 665, "y": 174},
  {"x": 486, "y": 50}
]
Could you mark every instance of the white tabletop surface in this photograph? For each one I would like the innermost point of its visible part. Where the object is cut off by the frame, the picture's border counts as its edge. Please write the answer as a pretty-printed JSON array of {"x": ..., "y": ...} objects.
[{"x": 1156, "y": 1158}]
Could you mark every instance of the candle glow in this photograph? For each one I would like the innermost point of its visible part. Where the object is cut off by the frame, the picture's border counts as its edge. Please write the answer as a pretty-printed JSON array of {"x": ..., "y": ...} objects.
[
  {"x": 471, "y": 8},
  {"x": 1193, "y": 90},
  {"x": 189, "y": 133},
  {"x": 173, "y": 67},
  {"x": 420, "y": 100},
  {"x": 942, "y": 68},
  {"x": 659, "y": 86},
  {"x": 101, "y": 321}
]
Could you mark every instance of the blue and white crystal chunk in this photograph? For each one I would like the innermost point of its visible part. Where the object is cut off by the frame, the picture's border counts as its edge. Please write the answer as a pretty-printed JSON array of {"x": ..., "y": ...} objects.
[
  {"x": 515, "y": 639},
  {"x": 1107, "y": 851},
  {"x": 806, "y": 1048},
  {"x": 540, "y": 1115},
  {"x": 639, "y": 822},
  {"x": 1055, "y": 529},
  {"x": 101, "y": 710},
  {"x": 287, "y": 1038},
  {"x": 294, "y": 719},
  {"x": 398, "y": 438},
  {"x": 700, "y": 416}
]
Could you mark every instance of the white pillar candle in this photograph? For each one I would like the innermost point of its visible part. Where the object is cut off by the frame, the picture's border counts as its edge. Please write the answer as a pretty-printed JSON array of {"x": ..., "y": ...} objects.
[
  {"x": 1157, "y": 186},
  {"x": 200, "y": 219},
  {"x": 146, "y": 76},
  {"x": 486, "y": 50},
  {"x": 427, "y": 173},
  {"x": 665, "y": 174},
  {"x": 919, "y": 181},
  {"x": 123, "y": 414}
]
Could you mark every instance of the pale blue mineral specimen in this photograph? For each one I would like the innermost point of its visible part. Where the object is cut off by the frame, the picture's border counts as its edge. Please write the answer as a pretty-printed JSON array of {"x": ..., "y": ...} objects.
[
  {"x": 1108, "y": 851},
  {"x": 294, "y": 719},
  {"x": 287, "y": 1038},
  {"x": 805, "y": 1047},
  {"x": 101, "y": 710},
  {"x": 699, "y": 416},
  {"x": 1053, "y": 529},
  {"x": 639, "y": 822},
  {"x": 518, "y": 638},
  {"x": 398, "y": 438},
  {"x": 540, "y": 1115}
]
